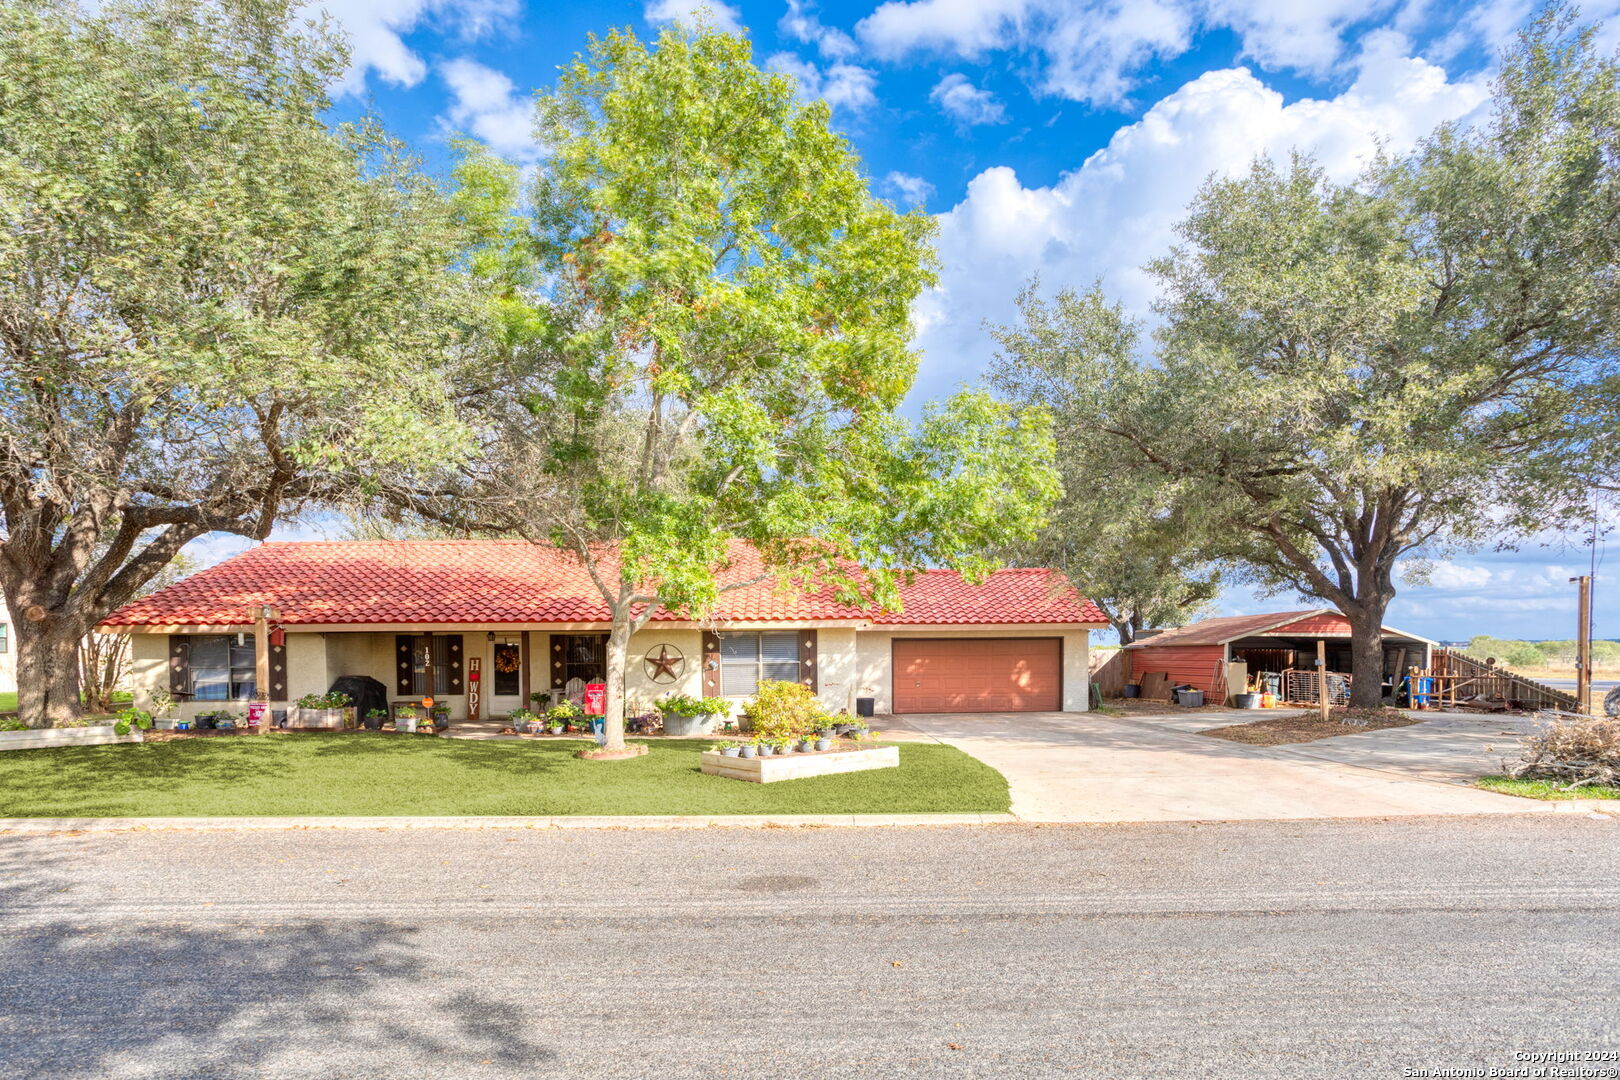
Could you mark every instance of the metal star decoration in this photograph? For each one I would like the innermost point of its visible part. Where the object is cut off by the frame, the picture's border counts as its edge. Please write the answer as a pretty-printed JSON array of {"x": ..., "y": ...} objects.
[{"x": 666, "y": 665}]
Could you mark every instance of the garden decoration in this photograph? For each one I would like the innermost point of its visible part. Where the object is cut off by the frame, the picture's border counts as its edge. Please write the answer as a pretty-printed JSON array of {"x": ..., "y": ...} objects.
[
  {"x": 687, "y": 715},
  {"x": 663, "y": 664}
]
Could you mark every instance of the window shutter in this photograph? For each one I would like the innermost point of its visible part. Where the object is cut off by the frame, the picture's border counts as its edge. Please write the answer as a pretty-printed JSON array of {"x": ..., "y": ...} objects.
[
  {"x": 555, "y": 643},
  {"x": 711, "y": 664},
  {"x": 404, "y": 644},
  {"x": 278, "y": 671},
  {"x": 179, "y": 666},
  {"x": 807, "y": 659},
  {"x": 453, "y": 666}
]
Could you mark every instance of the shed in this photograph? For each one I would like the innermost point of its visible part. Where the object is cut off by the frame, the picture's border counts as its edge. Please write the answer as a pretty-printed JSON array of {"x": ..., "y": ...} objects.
[{"x": 1198, "y": 654}]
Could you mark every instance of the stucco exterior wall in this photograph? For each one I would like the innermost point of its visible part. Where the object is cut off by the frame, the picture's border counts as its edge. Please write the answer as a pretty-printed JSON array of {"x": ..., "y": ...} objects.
[
  {"x": 875, "y": 667},
  {"x": 852, "y": 663}
]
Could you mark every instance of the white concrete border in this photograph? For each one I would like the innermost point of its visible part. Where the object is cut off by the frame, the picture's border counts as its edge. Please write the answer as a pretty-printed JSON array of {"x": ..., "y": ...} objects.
[
  {"x": 687, "y": 821},
  {"x": 41, "y": 738}
]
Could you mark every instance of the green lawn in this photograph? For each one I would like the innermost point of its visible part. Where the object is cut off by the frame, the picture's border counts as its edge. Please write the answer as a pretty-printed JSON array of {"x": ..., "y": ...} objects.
[
  {"x": 362, "y": 773},
  {"x": 1544, "y": 789},
  {"x": 8, "y": 702}
]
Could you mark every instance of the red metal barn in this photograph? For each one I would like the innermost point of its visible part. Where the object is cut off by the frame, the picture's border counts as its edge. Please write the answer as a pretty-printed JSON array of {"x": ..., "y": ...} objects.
[{"x": 1198, "y": 654}]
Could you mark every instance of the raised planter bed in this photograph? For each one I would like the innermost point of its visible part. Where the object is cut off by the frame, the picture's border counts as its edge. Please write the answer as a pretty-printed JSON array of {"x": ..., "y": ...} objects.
[
  {"x": 75, "y": 736},
  {"x": 768, "y": 770},
  {"x": 315, "y": 719}
]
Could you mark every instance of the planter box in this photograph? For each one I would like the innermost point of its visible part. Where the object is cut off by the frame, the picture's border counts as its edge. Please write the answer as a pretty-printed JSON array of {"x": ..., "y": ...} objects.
[
  {"x": 688, "y": 726},
  {"x": 316, "y": 719},
  {"x": 79, "y": 736},
  {"x": 768, "y": 770}
]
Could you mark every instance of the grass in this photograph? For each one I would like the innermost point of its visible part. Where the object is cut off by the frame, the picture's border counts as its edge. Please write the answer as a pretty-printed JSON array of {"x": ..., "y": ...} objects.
[
  {"x": 1544, "y": 789},
  {"x": 8, "y": 702},
  {"x": 376, "y": 774},
  {"x": 1307, "y": 727}
]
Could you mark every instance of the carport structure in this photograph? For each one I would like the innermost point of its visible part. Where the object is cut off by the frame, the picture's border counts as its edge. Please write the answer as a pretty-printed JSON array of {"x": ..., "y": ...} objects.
[{"x": 1203, "y": 654}]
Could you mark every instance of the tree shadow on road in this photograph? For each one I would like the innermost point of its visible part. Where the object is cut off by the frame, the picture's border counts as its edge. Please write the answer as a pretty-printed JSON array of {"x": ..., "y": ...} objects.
[{"x": 201, "y": 992}]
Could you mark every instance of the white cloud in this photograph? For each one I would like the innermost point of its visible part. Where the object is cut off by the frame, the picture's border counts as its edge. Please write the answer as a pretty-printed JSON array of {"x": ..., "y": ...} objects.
[
  {"x": 1118, "y": 208},
  {"x": 376, "y": 31},
  {"x": 842, "y": 86},
  {"x": 801, "y": 24},
  {"x": 1094, "y": 51},
  {"x": 909, "y": 190},
  {"x": 965, "y": 103},
  {"x": 486, "y": 104},
  {"x": 721, "y": 15}
]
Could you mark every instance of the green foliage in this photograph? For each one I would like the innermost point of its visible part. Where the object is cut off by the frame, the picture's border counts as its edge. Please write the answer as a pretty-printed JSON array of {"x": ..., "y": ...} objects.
[
  {"x": 709, "y": 317},
  {"x": 1350, "y": 374},
  {"x": 11, "y": 723},
  {"x": 565, "y": 711},
  {"x": 785, "y": 710},
  {"x": 1513, "y": 653},
  {"x": 683, "y": 705},
  {"x": 133, "y": 717}
]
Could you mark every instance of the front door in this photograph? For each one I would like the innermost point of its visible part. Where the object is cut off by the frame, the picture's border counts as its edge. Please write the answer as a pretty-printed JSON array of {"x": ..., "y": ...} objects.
[{"x": 505, "y": 686}]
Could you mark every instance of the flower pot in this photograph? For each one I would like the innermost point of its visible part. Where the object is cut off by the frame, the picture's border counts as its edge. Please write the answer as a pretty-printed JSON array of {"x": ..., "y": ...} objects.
[
  {"x": 731, "y": 751},
  {"x": 747, "y": 751},
  {"x": 767, "y": 751},
  {"x": 1189, "y": 699},
  {"x": 806, "y": 746},
  {"x": 182, "y": 725},
  {"x": 556, "y": 729},
  {"x": 1133, "y": 690},
  {"x": 1247, "y": 701},
  {"x": 677, "y": 725},
  {"x": 823, "y": 744},
  {"x": 165, "y": 723},
  {"x": 406, "y": 724},
  {"x": 373, "y": 723}
]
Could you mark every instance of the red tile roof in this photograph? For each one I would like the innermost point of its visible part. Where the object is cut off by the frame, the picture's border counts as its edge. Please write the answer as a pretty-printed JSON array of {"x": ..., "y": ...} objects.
[
  {"x": 1312, "y": 622},
  {"x": 459, "y": 582}
]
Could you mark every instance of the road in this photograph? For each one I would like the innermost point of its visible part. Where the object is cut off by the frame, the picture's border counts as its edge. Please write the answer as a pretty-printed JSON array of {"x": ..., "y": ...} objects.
[{"x": 1272, "y": 949}]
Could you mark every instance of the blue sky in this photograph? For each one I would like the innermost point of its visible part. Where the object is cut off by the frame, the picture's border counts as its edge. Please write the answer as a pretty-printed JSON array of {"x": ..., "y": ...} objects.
[{"x": 1052, "y": 137}]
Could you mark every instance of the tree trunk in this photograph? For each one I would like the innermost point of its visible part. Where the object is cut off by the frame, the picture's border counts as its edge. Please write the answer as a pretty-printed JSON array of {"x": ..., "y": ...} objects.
[
  {"x": 618, "y": 655},
  {"x": 48, "y": 670},
  {"x": 1367, "y": 654}
]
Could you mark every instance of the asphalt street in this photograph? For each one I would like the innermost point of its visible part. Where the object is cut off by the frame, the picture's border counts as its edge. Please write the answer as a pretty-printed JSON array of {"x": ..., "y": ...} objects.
[{"x": 1343, "y": 948}]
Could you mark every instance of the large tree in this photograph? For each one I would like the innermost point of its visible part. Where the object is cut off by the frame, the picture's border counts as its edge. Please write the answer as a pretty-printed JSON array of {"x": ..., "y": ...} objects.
[
  {"x": 1124, "y": 539},
  {"x": 1346, "y": 376},
  {"x": 706, "y": 327},
  {"x": 214, "y": 308}
]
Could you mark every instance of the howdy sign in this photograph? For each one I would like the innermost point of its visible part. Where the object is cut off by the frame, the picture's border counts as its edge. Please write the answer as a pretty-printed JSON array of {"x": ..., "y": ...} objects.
[
  {"x": 595, "y": 699},
  {"x": 475, "y": 686}
]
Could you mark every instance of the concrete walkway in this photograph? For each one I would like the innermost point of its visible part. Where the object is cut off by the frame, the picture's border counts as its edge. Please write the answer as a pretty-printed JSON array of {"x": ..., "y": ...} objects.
[{"x": 1067, "y": 767}]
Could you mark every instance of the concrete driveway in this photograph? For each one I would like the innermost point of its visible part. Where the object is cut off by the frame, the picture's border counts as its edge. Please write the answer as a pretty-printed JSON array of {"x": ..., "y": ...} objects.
[{"x": 1087, "y": 767}]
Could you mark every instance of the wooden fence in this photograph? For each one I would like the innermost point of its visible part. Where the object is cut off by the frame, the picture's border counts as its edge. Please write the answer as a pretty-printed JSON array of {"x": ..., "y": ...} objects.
[
  {"x": 1108, "y": 670},
  {"x": 1459, "y": 679}
]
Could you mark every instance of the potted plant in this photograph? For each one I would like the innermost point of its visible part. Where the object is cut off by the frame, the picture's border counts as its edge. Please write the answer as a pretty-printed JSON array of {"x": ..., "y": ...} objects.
[
  {"x": 406, "y": 719},
  {"x": 728, "y": 749},
  {"x": 686, "y": 715},
  {"x": 164, "y": 716},
  {"x": 748, "y": 749},
  {"x": 441, "y": 716},
  {"x": 374, "y": 719},
  {"x": 540, "y": 700},
  {"x": 823, "y": 742},
  {"x": 782, "y": 746},
  {"x": 765, "y": 747},
  {"x": 566, "y": 713}
]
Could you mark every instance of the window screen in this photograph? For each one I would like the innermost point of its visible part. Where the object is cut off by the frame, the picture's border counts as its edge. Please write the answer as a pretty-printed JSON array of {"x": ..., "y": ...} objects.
[
  {"x": 222, "y": 669},
  {"x": 748, "y": 658},
  {"x": 440, "y": 645}
]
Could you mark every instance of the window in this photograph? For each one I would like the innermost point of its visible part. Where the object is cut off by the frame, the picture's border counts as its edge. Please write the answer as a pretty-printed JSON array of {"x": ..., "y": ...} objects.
[
  {"x": 440, "y": 646},
  {"x": 748, "y": 659},
  {"x": 5, "y": 638},
  {"x": 222, "y": 667},
  {"x": 584, "y": 658}
]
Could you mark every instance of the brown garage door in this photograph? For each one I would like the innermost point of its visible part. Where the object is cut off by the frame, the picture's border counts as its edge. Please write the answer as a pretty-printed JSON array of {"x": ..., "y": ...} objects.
[{"x": 978, "y": 675}]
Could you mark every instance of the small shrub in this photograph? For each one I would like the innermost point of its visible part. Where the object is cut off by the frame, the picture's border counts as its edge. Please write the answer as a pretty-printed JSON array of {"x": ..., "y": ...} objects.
[
  {"x": 1577, "y": 751},
  {"x": 564, "y": 711},
  {"x": 682, "y": 705},
  {"x": 8, "y": 723},
  {"x": 786, "y": 710}
]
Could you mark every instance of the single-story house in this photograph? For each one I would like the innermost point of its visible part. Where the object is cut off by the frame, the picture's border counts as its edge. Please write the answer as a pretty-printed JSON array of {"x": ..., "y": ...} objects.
[
  {"x": 1200, "y": 654},
  {"x": 422, "y": 616}
]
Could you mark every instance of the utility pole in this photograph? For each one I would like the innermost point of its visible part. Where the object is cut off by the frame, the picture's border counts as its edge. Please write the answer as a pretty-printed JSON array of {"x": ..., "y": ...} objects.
[{"x": 1583, "y": 645}]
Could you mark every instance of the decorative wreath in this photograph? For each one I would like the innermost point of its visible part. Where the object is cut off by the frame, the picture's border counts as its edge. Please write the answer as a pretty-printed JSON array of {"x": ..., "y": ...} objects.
[{"x": 507, "y": 661}]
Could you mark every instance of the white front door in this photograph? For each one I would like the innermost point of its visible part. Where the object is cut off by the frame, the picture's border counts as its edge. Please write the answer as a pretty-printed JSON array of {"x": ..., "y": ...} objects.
[{"x": 505, "y": 678}]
